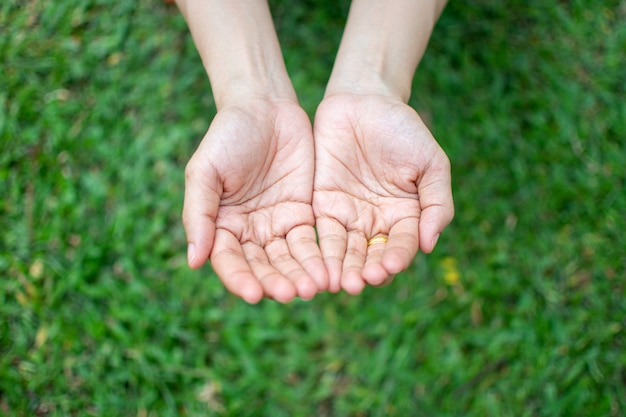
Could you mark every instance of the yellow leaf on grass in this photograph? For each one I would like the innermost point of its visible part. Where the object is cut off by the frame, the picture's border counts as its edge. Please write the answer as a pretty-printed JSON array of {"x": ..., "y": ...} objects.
[
  {"x": 451, "y": 274},
  {"x": 36, "y": 269},
  {"x": 41, "y": 336},
  {"x": 21, "y": 298}
]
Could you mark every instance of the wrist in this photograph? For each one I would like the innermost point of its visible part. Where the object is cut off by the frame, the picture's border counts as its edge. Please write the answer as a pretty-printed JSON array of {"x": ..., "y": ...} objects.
[
  {"x": 382, "y": 45},
  {"x": 363, "y": 78},
  {"x": 239, "y": 49},
  {"x": 249, "y": 81}
]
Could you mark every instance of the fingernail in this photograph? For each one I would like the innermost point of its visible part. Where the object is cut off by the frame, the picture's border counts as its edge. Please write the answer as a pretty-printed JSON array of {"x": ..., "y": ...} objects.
[
  {"x": 191, "y": 252},
  {"x": 435, "y": 239}
]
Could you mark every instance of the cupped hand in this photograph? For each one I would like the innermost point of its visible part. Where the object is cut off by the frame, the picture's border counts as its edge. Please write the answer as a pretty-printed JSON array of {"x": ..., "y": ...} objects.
[
  {"x": 247, "y": 205},
  {"x": 378, "y": 171}
]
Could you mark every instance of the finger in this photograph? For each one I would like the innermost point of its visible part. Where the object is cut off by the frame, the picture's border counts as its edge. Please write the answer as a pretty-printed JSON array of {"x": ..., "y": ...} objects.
[
  {"x": 275, "y": 284},
  {"x": 303, "y": 246},
  {"x": 333, "y": 243},
  {"x": 386, "y": 281},
  {"x": 200, "y": 207},
  {"x": 435, "y": 193},
  {"x": 351, "y": 280},
  {"x": 402, "y": 245},
  {"x": 229, "y": 263},
  {"x": 281, "y": 258},
  {"x": 374, "y": 273}
]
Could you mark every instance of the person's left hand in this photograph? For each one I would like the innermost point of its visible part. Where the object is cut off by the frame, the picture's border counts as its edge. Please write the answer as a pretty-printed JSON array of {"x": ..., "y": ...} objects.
[{"x": 378, "y": 172}]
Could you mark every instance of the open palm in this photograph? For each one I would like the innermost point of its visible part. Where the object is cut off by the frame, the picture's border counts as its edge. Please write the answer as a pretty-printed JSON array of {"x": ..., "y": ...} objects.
[
  {"x": 248, "y": 202},
  {"x": 378, "y": 171}
]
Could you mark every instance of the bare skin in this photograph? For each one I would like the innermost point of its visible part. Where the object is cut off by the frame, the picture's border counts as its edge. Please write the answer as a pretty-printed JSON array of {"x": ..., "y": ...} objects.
[
  {"x": 248, "y": 202},
  {"x": 261, "y": 178},
  {"x": 379, "y": 171}
]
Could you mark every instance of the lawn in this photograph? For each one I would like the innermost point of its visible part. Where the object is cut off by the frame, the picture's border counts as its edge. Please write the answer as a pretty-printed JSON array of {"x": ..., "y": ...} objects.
[{"x": 520, "y": 311}]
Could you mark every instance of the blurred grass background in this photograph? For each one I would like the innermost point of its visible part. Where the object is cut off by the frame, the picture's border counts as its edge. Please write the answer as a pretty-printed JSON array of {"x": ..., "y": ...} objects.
[{"x": 519, "y": 312}]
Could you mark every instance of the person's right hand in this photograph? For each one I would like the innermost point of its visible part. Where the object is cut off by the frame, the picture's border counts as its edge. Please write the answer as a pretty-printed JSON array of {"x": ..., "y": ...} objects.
[
  {"x": 379, "y": 172},
  {"x": 247, "y": 206}
]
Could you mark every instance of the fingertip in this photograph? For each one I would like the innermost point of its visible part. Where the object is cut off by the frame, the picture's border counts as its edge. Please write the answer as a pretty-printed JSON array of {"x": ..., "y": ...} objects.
[
  {"x": 284, "y": 295},
  {"x": 252, "y": 295},
  {"x": 433, "y": 242},
  {"x": 334, "y": 289},
  {"x": 278, "y": 288},
  {"x": 191, "y": 256},
  {"x": 388, "y": 280},
  {"x": 245, "y": 287},
  {"x": 306, "y": 288},
  {"x": 354, "y": 288},
  {"x": 307, "y": 293},
  {"x": 352, "y": 283},
  {"x": 432, "y": 223},
  {"x": 200, "y": 240},
  {"x": 429, "y": 236},
  {"x": 196, "y": 255},
  {"x": 322, "y": 281},
  {"x": 316, "y": 269},
  {"x": 333, "y": 267},
  {"x": 393, "y": 263},
  {"x": 320, "y": 276},
  {"x": 374, "y": 274}
]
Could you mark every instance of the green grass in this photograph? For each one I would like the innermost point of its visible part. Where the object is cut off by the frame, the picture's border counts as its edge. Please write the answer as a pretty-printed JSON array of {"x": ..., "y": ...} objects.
[{"x": 519, "y": 312}]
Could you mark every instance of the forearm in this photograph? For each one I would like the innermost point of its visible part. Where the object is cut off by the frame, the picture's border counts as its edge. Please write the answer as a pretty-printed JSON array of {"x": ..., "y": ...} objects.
[
  {"x": 239, "y": 48},
  {"x": 382, "y": 45}
]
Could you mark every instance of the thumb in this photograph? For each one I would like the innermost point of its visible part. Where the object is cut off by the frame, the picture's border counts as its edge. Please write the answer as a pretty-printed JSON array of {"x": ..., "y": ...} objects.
[
  {"x": 437, "y": 206},
  {"x": 201, "y": 204}
]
